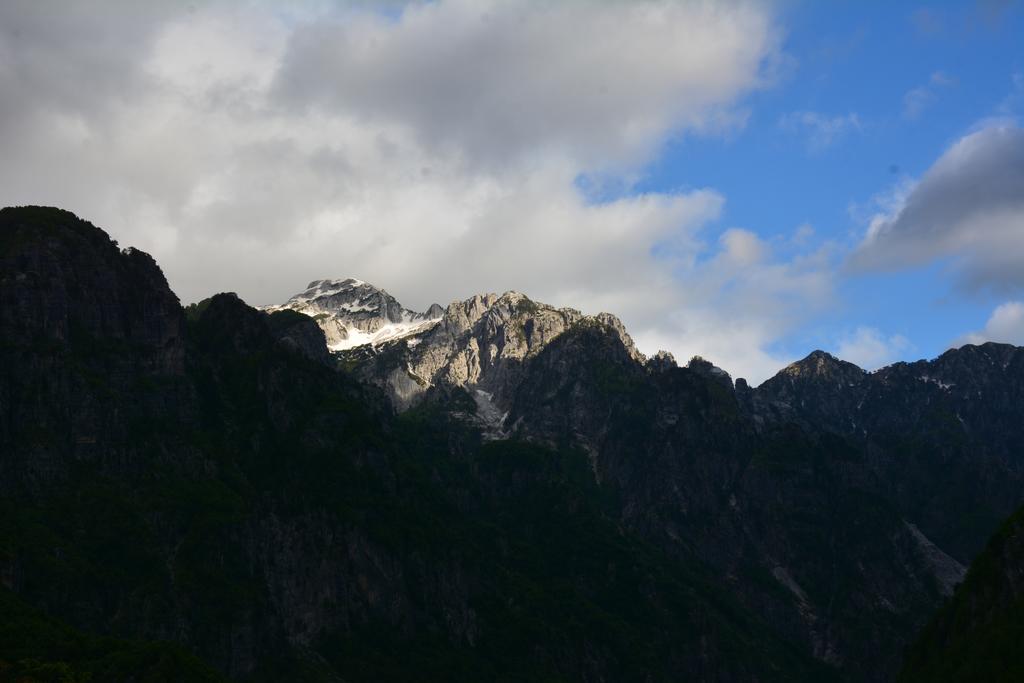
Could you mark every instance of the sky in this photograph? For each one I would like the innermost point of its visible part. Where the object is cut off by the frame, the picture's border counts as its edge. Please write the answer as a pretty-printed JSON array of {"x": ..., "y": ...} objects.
[{"x": 746, "y": 181}]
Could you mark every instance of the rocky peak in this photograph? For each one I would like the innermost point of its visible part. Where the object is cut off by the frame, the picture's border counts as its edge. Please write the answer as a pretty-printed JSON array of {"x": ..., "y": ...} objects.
[
  {"x": 477, "y": 335},
  {"x": 62, "y": 279},
  {"x": 355, "y": 313},
  {"x": 485, "y": 331},
  {"x": 661, "y": 362},
  {"x": 615, "y": 325},
  {"x": 709, "y": 370},
  {"x": 435, "y": 311},
  {"x": 819, "y": 388},
  {"x": 974, "y": 361},
  {"x": 351, "y": 297},
  {"x": 820, "y": 365}
]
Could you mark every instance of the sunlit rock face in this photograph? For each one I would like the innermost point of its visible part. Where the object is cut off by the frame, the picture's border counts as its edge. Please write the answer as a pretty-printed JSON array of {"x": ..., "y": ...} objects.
[{"x": 478, "y": 343}]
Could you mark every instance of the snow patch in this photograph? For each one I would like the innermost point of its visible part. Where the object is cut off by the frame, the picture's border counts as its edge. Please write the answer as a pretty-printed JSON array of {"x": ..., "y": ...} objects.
[
  {"x": 941, "y": 384},
  {"x": 390, "y": 332}
]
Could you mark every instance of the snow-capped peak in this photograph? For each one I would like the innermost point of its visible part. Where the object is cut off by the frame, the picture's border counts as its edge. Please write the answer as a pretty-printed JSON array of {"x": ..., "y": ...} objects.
[{"x": 353, "y": 313}]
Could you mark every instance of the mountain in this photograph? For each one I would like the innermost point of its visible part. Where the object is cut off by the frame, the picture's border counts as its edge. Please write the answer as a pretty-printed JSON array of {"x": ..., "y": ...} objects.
[
  {"x": 504, "y": 490},
  {"x": 979, "y": 634},
  {"x": 199, "y": 476}
]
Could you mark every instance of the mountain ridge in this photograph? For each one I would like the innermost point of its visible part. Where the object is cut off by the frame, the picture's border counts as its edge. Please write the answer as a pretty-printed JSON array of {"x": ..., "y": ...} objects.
[
  {"x": 211, "y": 476},
  {"x": 310, "y": 301}
]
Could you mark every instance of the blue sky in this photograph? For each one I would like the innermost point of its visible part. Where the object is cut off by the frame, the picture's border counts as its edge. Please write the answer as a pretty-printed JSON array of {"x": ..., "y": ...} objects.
[
  {"x": 914, "y": 78},
  {"x": 743, "y": 180}
]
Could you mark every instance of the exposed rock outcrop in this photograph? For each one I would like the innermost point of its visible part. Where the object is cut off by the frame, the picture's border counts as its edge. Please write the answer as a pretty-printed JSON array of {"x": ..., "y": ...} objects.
[{"x": 480, "y": 343}]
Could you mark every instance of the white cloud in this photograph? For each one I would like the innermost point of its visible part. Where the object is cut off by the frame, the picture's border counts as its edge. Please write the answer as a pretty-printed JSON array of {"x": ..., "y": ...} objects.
[
  {"x": 739, "y": 300},
  {"x": 916, "y": 100},
  {"x": 803, "y": 234},
  {"x": 433, "y": 149},
  {"x": 821, "y": 130},
  {"x": 967, "y": 211},
  {"x": 871, "y": 349},
  {"x": 1006, "y": 325}
]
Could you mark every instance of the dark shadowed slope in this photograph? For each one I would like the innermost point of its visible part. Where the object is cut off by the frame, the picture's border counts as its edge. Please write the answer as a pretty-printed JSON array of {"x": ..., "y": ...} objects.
[
  {"x": 979, "y": 634},
  {"x": 202, "y": 477},
  {"x": 511, "y": 492}
]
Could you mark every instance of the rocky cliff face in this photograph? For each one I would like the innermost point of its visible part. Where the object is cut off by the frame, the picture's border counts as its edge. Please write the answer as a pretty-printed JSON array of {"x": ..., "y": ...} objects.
[
  {"x": 480, "y": 344},
  {"x": 77, "y": 313},
  {"x": 65, "y": 281}
]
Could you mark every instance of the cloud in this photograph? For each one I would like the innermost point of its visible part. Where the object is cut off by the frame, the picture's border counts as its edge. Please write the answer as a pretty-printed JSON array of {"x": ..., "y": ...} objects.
[
  {"x": 603, "y": 83},
  {"x": 1014, "y": 100},
  {"x": 871, "y": 349},
  {"x": 1006, "y": 325},
  {"x": 434, "y": 149},
  {"x": 747, "y": 293},
  {"x": 967, "y": 211},
  {"x": 821, "y": 130},
  {"x": 916, "y": 100}
]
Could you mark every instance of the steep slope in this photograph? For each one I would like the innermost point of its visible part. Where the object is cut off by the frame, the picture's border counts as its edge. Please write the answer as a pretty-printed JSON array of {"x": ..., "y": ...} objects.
[
  {"x": 938, "y": 444},
  {"x": 945, "y": 438},
  {"x": 80, "y": 321},
  {"x": 979, "y": 634},
  {"x": 202, "y": 477}
]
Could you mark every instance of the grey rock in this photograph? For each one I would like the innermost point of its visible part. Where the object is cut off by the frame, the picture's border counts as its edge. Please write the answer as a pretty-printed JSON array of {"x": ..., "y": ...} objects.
[{"x": 481, "y": 343}]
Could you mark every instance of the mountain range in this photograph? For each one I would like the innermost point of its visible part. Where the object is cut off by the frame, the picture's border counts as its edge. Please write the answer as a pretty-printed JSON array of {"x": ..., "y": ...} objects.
[{"x": 339, "y": 488}]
